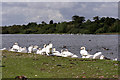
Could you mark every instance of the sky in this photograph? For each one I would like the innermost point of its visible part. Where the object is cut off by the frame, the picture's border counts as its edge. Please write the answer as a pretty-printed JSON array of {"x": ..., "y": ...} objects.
[{"x": 20, "y": 13}]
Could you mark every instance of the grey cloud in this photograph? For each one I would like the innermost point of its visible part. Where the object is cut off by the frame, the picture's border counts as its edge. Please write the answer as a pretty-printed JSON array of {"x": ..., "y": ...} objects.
[{"x": 25, "y": 12}]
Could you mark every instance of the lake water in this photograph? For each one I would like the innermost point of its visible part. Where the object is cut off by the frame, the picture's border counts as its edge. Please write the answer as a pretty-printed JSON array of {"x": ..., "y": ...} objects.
[{"x": 93, "y": 43}]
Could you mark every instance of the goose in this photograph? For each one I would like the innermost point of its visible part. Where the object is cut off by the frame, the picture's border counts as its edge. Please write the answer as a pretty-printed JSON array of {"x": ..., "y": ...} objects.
[
  {"x": 30, "y": 49},
  {"x": 83, "y": 52},
  {"x": 15, "y": 46},
  {"x": 97, "y": 55},
  {"x": 56, "y": 53}
]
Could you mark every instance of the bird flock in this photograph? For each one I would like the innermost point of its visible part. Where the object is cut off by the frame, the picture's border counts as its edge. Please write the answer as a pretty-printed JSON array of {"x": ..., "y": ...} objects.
[{"x": 50, "y": 51}]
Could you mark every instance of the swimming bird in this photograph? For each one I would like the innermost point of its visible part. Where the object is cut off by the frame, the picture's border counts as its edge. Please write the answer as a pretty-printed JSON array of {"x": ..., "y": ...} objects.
[
  {"x": 105, "y": 48},
  {"x": 83, "y": 52},
  {"x": 30, "y": 49}
]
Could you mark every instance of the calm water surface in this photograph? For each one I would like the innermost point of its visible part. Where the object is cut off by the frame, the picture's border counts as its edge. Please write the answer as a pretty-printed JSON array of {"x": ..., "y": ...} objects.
[{"x": 93, "y": 43}]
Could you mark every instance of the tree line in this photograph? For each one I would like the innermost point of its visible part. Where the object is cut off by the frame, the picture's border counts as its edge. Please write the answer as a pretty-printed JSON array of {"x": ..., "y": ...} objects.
[{"x": 78, "y": 25}]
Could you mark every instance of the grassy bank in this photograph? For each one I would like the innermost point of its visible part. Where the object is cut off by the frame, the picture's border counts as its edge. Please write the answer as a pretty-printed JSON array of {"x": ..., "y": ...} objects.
[{"x": 38, "y": 66}]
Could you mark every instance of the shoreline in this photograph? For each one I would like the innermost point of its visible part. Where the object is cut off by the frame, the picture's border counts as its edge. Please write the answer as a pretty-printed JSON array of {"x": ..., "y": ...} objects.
[{"x": 76, "y": 34}]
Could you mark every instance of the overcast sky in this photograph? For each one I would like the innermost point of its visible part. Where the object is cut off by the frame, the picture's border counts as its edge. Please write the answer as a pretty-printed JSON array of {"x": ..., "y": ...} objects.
[{"x": 25, "y": 12}]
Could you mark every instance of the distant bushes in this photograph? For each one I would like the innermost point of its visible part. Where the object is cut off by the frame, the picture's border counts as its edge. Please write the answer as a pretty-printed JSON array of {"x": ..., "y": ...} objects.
[{"x": 77, "y": 25}]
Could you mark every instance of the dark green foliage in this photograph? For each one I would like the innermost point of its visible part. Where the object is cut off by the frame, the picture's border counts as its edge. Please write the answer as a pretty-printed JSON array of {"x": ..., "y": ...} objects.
[
  {"x": 77, "y": 25},
  {"x": 51, "y": 22}
]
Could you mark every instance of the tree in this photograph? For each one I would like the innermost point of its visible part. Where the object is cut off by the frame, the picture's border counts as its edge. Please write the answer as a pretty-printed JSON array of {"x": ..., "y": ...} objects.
[
  {"x": 43, "y": 23},
  {"x": 51, "y": 22},
  {"x": 78, "y": 19},
  {"x": 96, "y": 18}
]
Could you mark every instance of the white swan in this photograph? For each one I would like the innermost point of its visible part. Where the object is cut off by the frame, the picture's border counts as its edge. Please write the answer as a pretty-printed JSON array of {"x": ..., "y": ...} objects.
[
  {"x": 83, "y": 52},
  {"x": 62, "y": 53},
  {"x": 49, "y": 49},
  {"x": 3, "y": 49},
  {"x": 97, "y": 55},
  {"x": 67, "y": 53},
  {"x": 39, "y": 51},
  {"x": 102, "y": 57},
  {"x": 15, "y": 46},
  {"x": 12, "y": 50},
  {"x": 43, "y": 51},
  {"x": 115, "y": 59},
  {"x": 30, "y": 49},
  {"x": 56, "y": 53},
  {"x": 22, "y": 50},
  {"x": 35, "y": 49},
  {"x": 74, "y": 56},
  {"x": 89, "y": 56}
]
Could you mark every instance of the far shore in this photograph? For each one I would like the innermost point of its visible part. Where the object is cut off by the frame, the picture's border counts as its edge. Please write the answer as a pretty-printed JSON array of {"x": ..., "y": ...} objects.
[{"x": 82, "y": 34}]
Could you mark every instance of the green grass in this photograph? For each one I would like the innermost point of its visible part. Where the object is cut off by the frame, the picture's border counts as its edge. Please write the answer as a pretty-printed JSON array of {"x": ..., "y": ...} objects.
[{"x": 38, "y": 66}]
